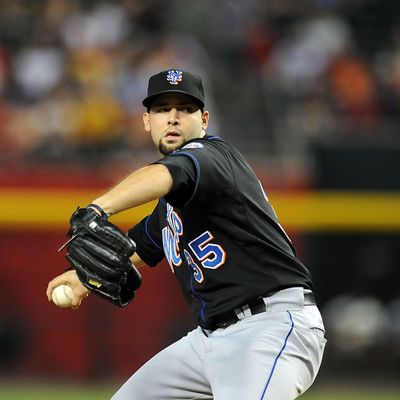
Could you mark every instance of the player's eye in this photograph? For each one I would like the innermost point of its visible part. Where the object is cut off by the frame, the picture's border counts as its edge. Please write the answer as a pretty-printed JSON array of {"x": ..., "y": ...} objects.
[
  {"x": 161, "y": 109},
  {"x": 188, "y": 109}
]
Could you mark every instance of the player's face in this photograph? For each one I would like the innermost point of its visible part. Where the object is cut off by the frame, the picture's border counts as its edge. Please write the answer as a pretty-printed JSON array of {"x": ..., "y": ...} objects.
[{"x": 174, "y": 118}]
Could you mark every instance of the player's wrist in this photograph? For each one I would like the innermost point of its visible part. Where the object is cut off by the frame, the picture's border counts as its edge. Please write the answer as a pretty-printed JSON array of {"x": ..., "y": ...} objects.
[{"x": 99, "y": 210}]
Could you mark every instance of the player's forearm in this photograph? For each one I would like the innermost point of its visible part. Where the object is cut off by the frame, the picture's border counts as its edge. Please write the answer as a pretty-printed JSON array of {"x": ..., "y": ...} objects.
[
  {"x": 147, "y": 184},
  {"x": 137, "y": 261}
]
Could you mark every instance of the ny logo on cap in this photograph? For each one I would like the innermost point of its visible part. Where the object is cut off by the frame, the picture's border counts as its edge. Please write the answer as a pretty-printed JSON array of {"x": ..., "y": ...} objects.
[{"x": 174, "y": 76}]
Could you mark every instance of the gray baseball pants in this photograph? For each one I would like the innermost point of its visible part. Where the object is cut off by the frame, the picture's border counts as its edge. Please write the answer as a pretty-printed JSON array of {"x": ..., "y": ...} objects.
[{"x": 274, "y": 355}]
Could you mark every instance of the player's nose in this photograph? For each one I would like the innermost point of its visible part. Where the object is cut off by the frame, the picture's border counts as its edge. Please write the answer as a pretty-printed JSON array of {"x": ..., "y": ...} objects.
[{"x": 173, "y": 116}]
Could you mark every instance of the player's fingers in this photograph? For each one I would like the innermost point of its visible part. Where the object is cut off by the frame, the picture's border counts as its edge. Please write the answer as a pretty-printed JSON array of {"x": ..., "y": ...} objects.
[
  {"x": 57, "y": 281},
  {"x": 67, "y": 278},
  {"x": 62, "y": 279},
  {"x": 79, "y": 294},
  {"x": 76, "y": 302}
]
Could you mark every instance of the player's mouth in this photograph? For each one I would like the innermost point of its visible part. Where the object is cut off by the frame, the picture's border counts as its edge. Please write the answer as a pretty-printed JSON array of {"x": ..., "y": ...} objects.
[{"x": 172, "y": 135}]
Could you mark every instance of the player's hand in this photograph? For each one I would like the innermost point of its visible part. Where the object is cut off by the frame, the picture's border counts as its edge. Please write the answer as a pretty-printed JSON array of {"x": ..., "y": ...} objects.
[
  {"x": 71, "y": 279},
  {"x": 100, "y": 254}
]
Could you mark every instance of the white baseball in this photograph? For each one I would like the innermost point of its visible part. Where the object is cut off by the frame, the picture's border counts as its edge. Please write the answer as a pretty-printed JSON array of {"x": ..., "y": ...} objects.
[{"x": 62, "y": 296}]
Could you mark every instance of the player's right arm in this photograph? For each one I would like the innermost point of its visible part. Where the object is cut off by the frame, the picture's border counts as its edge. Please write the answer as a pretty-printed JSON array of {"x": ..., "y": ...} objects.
[
  {"x": 147, "y": 184},
  {"x": 140, "y": 187}
]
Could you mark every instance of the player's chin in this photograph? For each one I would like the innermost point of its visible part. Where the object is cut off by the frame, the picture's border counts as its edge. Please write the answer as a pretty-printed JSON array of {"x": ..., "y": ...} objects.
[{"x": 168, "y": 147}]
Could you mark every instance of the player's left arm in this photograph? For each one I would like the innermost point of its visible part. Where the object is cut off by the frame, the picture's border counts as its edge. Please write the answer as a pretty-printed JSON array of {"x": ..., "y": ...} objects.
[{"x": 137, "y": 261}]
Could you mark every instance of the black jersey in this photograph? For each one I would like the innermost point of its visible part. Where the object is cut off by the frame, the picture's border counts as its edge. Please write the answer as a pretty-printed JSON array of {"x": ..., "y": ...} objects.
[{"x": 218, "y": 231}]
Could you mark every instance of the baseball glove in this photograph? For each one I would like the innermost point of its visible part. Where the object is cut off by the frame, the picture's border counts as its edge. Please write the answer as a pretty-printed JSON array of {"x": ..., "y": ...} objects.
[{"x": 99, "y": 252}]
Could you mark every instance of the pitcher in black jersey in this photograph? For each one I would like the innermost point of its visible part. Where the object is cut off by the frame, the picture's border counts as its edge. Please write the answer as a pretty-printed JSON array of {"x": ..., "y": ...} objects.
[{"x": 260, "y": 334}]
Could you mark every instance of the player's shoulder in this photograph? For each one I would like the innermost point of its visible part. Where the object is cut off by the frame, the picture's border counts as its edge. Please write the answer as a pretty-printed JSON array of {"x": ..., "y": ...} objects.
[{"x": 205, "y": 142}]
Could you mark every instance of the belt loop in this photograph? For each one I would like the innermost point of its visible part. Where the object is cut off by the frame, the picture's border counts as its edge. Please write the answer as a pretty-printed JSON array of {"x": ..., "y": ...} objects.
[
  {"x": 285, "y": 297},
  {"x": 244, "y": 311},
  {"x": 309, "y": 298}
]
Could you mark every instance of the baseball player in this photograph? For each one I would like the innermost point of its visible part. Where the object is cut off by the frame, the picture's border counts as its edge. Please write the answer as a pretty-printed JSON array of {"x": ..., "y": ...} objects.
[{"x": 260, "y": 334}]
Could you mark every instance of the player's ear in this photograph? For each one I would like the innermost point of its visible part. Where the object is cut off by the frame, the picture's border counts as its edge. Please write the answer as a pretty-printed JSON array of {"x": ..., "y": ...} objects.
[
  {"x": 204, "y": 119},
  {"x": 146, "y": 121}
]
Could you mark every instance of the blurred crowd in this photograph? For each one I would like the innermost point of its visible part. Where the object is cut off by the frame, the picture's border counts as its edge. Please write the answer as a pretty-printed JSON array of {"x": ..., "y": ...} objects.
[{"x": 279, "y": 74}]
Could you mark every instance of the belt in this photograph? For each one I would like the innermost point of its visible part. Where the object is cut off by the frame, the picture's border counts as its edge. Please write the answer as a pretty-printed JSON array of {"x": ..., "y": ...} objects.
[{"x": 254, "y": 307}]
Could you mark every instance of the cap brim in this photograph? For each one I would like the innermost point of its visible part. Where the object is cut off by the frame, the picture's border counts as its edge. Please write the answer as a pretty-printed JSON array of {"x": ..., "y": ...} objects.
[{"x": 148, "y": 100}]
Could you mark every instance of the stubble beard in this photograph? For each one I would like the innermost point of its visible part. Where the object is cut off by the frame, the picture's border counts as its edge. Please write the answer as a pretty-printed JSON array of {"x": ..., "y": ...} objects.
[{"x": 165, "y": 149}]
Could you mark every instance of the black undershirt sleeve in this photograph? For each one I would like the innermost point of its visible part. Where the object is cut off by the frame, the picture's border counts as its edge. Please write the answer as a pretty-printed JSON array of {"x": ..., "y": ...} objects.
[{"x": 147, "y": 236}]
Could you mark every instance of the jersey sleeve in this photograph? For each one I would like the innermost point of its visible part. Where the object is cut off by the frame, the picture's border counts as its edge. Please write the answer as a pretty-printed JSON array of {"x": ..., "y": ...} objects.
[
  {"x": 184, "y": 177},
  {"x": 198, "y": 171},
  {"x": 147, "y": 236}
]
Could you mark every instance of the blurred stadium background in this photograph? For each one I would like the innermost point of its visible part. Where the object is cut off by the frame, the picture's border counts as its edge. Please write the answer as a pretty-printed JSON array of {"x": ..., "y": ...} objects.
[{"x": 309, "y": 90}]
